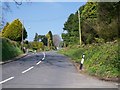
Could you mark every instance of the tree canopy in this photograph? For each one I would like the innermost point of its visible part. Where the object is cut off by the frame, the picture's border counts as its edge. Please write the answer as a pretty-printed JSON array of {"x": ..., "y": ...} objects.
[
  {"x": 14, "y": 31},
  {"x": 49, "y": 40},
  {"x": 97, "y": 20}
]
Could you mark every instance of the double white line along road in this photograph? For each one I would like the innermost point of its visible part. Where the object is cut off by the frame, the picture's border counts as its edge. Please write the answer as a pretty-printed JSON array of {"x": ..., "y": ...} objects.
[{"x": 24, "y": 70}]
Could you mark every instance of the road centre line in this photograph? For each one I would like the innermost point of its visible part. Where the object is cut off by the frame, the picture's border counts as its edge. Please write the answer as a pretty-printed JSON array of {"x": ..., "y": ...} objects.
[
  {"x": 38, "y": 62},
  {"x": 44, "y": 54},
  {"x": 43, "y": 58},
  {"x": 6, "y": 80},
  {"x": 28, "y": 69},
  {"x": 23, "y": 71}
]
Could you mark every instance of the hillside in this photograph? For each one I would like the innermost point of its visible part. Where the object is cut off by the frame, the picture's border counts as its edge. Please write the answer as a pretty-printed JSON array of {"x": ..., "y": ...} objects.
[
  {"x": 10, "y": 49},
  {"x": 100, "y": 60}
]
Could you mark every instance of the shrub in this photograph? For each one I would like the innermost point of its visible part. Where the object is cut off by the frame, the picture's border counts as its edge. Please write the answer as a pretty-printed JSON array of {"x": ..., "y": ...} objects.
[
  {"x": 100, "y": 59},
  {"x": 9, "y": 49}
]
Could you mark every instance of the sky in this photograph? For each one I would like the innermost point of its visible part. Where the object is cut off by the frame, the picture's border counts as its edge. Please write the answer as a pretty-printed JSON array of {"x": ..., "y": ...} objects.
[{"x": 41, "y": 17}]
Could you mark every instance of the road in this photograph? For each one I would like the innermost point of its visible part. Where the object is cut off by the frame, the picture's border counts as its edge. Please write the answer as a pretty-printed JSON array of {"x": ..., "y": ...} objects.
[{"x": 47, "y": 70}]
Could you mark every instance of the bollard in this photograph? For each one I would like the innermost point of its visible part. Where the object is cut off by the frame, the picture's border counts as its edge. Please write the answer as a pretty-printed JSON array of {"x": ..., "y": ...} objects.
[{"x": 82, "y": 61}]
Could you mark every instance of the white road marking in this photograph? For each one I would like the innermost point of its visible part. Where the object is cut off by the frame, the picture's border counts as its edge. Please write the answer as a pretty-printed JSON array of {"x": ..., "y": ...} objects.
[
  {"x": 6, "y": 80},
  {"x": 44, "y": 54},
  {"x": 43, "y": 58},
  {"x": 38, "y": 63},
  {"x": 117, "y": 84},
  {"x": 28, "y": 69}
]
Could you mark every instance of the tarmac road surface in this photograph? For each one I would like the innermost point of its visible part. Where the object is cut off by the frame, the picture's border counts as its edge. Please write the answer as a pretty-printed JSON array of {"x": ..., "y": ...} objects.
[{"x": 47, "y": 70}]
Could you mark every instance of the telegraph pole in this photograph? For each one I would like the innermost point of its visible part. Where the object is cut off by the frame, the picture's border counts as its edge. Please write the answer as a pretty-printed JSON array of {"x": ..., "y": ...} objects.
[
  {"x": 22, "y": 33},
  {"x": 79, "y": 27}
]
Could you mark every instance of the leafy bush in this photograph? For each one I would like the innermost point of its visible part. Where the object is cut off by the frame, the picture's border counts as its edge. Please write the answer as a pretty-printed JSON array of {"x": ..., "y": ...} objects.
[
  {"x": 9, "y": 49},
  {"x": 99, "y": 40},
  {"x": 100, "y": 60},
  {"x": 36, "y": 45}
]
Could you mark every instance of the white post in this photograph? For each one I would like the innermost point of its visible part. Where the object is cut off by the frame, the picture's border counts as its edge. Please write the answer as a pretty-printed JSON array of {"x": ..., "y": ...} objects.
[{"x": 82, "y": 61}]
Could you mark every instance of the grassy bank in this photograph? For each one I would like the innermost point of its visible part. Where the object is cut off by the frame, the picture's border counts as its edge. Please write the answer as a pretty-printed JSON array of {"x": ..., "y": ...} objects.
[
  {"x": 100, "y": 60},
  {"x": 10, "y": 49}
]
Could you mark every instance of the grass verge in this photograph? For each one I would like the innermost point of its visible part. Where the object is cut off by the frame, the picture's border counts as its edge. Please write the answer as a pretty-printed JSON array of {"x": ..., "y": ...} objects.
[{"x": 102, "y": 60}]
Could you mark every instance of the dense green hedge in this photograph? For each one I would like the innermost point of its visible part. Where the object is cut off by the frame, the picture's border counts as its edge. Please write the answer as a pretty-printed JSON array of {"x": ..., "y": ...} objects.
[
  {"x": 100, "y": 60},
  {"x": 10, "y": 49}
]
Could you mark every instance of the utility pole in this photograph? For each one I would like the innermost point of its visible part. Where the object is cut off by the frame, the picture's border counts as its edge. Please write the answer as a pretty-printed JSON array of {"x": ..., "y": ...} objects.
[
  {"x": 22, "y": 33},
  {"x": 79, "y": 27}
]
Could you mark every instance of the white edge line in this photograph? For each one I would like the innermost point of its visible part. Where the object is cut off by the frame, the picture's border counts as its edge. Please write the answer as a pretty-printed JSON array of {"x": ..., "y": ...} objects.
[
  {"x": 6, "y": 80},
  {"x": 28, "y": 69},
  {"x": 38, "y": 63}
]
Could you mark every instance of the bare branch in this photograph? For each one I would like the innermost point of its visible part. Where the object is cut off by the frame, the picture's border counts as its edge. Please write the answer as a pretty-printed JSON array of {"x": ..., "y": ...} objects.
[{"x": 18, "y": 3}]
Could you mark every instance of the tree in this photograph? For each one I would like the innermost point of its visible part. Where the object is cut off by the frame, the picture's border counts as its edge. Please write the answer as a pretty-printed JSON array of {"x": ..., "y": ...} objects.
[
  {"x": 89, "y": 22},
  {"x": 98, "y": 20},
  {"x": 26, "y": 43},
  {"x": 36, "y": 45},
  {"x": 71, "y": 29},
  {"x": 36, "y": 37},
  {"x": 65, "y": 38},
  {"x": 5, "y": 27},
  {"x": 50, "y": 40},
  {"x": 40, "y": 45},
  {"x": 43, "y": 39},
  {"x": 14, "y": 31},
  {"x": 108, "y": 14},
  {"x": 88, "y": 15}
]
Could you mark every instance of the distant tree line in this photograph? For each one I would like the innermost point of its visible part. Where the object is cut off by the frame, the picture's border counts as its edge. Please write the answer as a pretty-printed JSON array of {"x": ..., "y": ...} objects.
[
  {"x": 46, "y": 40},
  {"x": 49, "y": 41},
  {"x": 15, "y": 29},
  {"x": 99, "y": 23}
]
